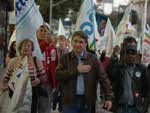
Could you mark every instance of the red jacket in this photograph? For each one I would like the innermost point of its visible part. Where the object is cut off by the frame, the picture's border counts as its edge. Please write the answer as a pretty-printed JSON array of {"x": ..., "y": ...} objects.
[{"x": 50, "y": 61}]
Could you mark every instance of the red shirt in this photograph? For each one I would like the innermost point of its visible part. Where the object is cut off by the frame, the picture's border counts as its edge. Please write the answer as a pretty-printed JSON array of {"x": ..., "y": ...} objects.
[{"x": 50, "y": 61}]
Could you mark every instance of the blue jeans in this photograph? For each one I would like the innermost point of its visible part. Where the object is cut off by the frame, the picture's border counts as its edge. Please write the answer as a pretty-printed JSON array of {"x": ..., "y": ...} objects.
[
  {"x": 78, "y": 106},
  {"x": 74, "y": 109}
]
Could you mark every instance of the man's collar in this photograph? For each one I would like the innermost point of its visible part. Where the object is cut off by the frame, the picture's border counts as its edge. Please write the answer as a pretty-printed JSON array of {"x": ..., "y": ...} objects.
[{"x": 84, "y": 54}]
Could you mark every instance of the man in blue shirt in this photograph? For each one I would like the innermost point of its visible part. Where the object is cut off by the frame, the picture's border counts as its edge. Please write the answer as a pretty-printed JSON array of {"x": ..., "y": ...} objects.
[{"x": 78, "y": 73}]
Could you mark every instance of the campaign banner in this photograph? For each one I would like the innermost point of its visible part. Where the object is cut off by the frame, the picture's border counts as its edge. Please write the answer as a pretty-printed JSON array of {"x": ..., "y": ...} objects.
[
  {"x": 85, "y": 21},
  {"x": 22, "y": 93},
  {"x": 28, "y": 20}
]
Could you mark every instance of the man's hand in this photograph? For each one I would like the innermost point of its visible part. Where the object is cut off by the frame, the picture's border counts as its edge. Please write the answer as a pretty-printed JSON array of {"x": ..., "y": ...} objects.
[
  {"x": 35, "y": 82},
  {"x": 82, "y": 68},
  {"x": 107, "y": 105}
]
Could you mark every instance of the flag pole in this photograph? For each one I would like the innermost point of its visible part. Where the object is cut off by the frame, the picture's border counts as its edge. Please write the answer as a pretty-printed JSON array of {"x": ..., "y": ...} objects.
[
  {"x": 51, "y": 12},
  {"x": 144, "y": 26}
]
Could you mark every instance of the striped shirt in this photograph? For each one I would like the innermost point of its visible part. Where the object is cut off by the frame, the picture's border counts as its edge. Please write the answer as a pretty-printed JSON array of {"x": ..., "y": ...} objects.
[{"x": 33, "y": 72}]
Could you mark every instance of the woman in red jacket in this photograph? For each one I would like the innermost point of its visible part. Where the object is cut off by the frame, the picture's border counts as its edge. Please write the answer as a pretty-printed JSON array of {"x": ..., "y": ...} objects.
[{"x": 50, "y": 53}]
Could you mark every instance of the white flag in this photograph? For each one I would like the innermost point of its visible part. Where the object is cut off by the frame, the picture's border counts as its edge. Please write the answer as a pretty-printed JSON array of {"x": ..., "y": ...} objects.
[
  {"x": 85, "y": 21},
  {"x": 111, "y": 38},
  {"x": 122, "y": 28},
  {"x": 145, "y": 38},
  {"x": 61, "y": 30},
  {"x": 29, "y": 20},
  {"x": 101, "y": 44},
  {"x": 146, "y": 48},
  {"x": 12, "y": 38},
  {"x": 22, "y": 97},
  {"x": 97, "y": 35}
]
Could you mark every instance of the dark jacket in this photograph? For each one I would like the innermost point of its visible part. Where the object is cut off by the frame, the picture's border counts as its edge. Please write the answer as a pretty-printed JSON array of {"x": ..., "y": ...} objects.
[
  {"x": 67, "y": 75},
  {"x": 148, "y": 77},
  {"x": 139, "y": 85}
]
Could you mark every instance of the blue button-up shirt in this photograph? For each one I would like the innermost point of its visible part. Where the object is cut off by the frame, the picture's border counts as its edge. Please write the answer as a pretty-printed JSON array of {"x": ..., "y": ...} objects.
[{"x": 80, "y": 79}]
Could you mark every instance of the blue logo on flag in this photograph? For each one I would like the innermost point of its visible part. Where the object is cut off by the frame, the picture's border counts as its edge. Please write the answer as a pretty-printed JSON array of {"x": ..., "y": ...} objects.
[
  {"x": 20, "y": 5},
  {"x": 88, "y": 26}
]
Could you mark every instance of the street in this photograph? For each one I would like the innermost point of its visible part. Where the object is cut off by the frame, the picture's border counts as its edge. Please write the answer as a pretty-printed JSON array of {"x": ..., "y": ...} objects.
[{"x": 4, "y": 99}]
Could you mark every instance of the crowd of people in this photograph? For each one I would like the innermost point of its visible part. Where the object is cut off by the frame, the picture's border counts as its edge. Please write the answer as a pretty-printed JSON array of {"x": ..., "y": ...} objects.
[{"x": 69, "y": 78}]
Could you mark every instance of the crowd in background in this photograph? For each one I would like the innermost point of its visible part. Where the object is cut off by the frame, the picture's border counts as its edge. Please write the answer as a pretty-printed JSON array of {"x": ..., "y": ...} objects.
[{"x": 68, "y": 78}]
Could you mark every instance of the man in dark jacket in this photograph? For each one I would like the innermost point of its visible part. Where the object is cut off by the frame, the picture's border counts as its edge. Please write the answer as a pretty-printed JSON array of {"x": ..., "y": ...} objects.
[
  {"x": 129, "y": 83},
  {"x": 78, "y": 73},
  {"x": 148, "y": 75}
]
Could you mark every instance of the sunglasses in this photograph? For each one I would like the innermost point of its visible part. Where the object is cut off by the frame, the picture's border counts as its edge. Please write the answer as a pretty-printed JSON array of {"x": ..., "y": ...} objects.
[{"x": 131, "y": 52}]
